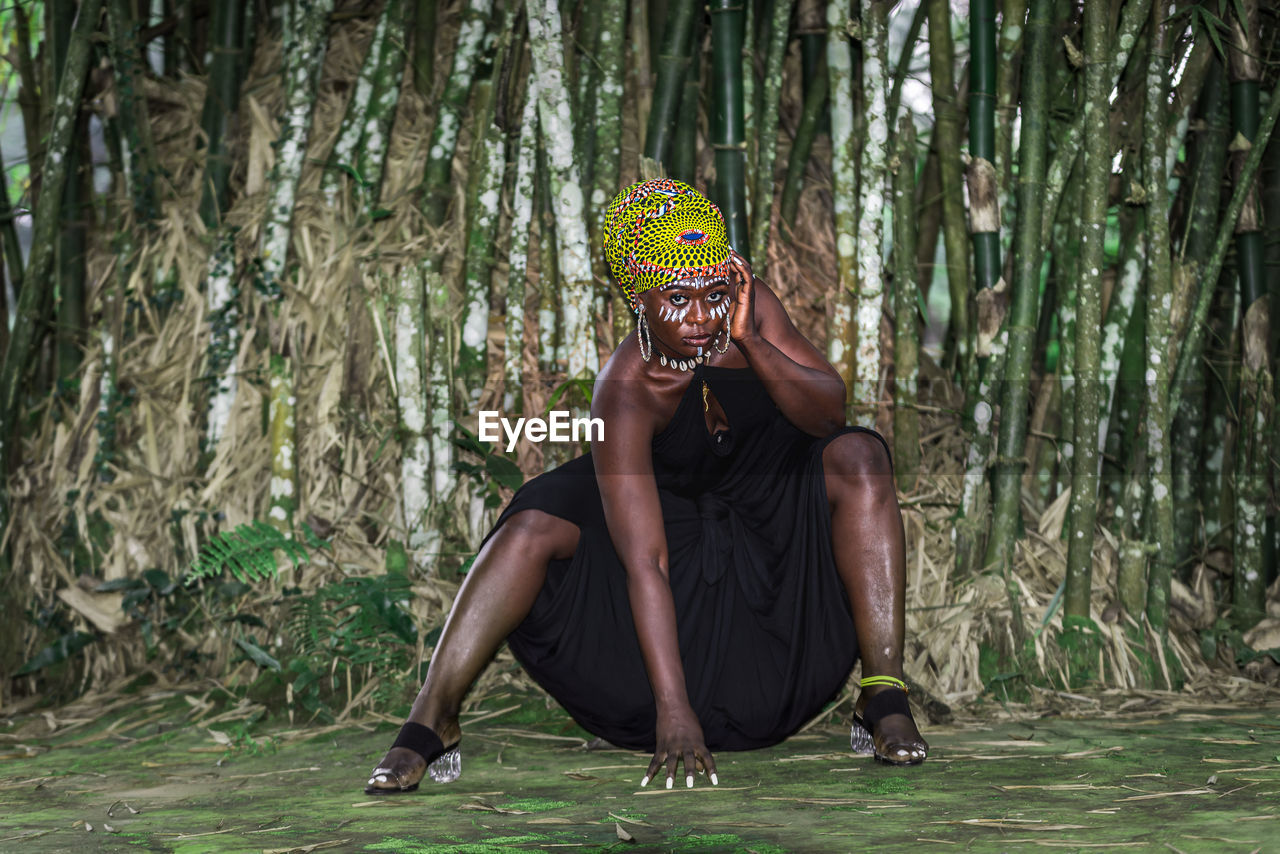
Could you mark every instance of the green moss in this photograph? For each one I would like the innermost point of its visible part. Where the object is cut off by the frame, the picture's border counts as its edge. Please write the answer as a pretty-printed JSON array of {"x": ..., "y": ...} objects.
[
  {"x": 537, "y": 805},
  {"x": 886, "y": 786}
]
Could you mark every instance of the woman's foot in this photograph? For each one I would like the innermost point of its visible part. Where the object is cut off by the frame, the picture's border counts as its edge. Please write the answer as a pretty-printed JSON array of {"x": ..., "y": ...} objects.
[
  {"x": 416, "y": 748},
  {"x": 888, "y": 730}
]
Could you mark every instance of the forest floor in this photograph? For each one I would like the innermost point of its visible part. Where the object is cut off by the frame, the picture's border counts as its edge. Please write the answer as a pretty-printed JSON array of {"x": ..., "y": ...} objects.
[{"x": 136, "y": 773}]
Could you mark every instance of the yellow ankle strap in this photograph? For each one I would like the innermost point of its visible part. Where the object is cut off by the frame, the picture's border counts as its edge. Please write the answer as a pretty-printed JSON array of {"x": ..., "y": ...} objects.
[{"x": 884, "y": 680}]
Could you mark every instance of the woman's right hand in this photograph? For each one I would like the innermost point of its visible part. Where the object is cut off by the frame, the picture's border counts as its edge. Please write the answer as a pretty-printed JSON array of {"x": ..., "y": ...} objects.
[{"x": 680, "y": 740}]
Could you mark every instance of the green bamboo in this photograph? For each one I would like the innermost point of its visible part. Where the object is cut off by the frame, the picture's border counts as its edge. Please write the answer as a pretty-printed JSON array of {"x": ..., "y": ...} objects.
[
  {"x": 1189, "y": 353},
  {"x": 672, "y": 63},
  {"x": 21, "y": 350},
  {"x": 437, "y": 181},
  {"x": 586, "y": 77},
  {"x": 1257, "y": 405},
  {"x": 1021, "y": 321},
  {"x": 1158, "y": 421},
  {"x": 684, "y": 153},
  {"x": 29, "y": 95},
  {"x": 873, "y": 181},
  {"x": 222, "y": 100},
  {"x": 137, "y": 145},
  {"x": 424, "y": 46},
  {"x": 518, "y": 258},
  {"x": 281, "y": 420},
  {"x": 1013, "y": 15},
  {"x": 9, "y": 236},
  {"x": 366, "y": 125},
  {"x": 575, "y": 286},
  {"x": 1096, "y": 166},
  {"x": 841, "y": 331},
  {"x": 906, "y": 295},
  {"x": 1132, "y": 19},
  {"x": 1207, "y": 163},
  {"x": 903, "y": 68},
  {"x": 767, "y": 130},
  {"x": 484, "y": 188},
  {"x": 947, "y": 142},
  {"x": 727, "y": 132},
  {"x": 802, "y": 146}
]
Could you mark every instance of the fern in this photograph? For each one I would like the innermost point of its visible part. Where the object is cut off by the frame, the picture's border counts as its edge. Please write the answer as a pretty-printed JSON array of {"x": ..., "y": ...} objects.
[{"x": 248, "y": 552}]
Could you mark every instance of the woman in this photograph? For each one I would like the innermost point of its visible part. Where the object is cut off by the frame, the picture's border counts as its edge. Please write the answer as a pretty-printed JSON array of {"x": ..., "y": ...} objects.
[{"x": 706, "y": 578}]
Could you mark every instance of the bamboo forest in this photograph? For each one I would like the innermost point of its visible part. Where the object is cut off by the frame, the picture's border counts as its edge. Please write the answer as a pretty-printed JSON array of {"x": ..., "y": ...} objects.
[{"x": 267, "y": 260}]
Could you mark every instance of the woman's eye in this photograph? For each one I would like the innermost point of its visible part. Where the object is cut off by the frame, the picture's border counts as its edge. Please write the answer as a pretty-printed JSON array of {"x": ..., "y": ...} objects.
[
  {"x": 679, "y": 299},
  {"x": 716, "y": 297}
]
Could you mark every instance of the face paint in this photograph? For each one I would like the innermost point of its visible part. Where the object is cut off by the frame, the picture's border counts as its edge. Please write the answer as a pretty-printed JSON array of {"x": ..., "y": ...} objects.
[
  {"x": 720, "y": 309},
  {"x": 669, "y": 313}
]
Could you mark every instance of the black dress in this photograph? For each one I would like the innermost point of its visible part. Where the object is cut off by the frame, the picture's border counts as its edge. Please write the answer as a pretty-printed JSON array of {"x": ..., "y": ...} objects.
[{"x": 766, "y": 634}]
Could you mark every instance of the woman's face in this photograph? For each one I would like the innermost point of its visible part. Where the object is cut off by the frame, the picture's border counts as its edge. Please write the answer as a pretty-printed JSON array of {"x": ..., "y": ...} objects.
[{"x": 686, "y": 315}]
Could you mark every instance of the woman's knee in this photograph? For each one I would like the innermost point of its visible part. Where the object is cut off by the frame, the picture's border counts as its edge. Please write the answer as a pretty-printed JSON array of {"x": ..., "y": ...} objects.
[{"x": 860, "y": 454}]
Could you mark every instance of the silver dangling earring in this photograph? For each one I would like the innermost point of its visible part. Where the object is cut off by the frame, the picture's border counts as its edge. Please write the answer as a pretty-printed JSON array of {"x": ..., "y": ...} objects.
[
  {"x": 642, "y": 336},
  {"x": 715, "y": 341}
]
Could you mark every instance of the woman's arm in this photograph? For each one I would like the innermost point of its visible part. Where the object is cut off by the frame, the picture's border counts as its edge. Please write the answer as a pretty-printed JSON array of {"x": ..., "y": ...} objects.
[
  {"x": 803, "y": 384},
  {"x": 633, "y": 513}
]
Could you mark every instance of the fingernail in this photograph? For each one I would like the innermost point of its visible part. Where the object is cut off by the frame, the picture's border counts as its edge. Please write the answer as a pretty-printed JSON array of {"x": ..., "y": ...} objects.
[
  {"x": 668, "y": 782},
  {"x": 714, "y": 781},
  {"x": 644, "y": 781},
  {"x": 688, "y": 781}
]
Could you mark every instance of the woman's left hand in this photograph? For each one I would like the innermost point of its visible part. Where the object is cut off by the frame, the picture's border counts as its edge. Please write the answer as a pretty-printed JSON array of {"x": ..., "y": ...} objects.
[{"x": 742, "y": 323}]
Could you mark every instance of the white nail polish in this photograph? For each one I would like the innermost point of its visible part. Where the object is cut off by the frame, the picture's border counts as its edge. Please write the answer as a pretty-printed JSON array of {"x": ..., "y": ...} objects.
[
  {"x": 688, "y": 781},
  {"x": 644, "y": 781},
  {"x": 669, "y": 782},
  {"x": 714, "y": 781}
]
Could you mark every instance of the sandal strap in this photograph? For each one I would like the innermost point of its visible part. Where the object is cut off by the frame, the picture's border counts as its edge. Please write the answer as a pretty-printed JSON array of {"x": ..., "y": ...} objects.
[
  {"x": 883, "y": 704},
  {"x": 422, "y": 740}
]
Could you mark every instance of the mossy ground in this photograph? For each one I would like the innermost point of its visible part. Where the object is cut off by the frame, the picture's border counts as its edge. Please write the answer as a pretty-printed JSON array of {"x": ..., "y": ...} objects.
[{"x": 146, "y": 780}]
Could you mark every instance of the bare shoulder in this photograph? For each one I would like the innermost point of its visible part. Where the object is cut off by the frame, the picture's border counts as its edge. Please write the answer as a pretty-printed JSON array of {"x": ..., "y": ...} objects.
[{"x": 621, "y": 390}]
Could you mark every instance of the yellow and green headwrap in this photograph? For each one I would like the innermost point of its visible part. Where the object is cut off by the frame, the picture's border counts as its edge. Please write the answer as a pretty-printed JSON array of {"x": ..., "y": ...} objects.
[{"x": 658, "y": 231}]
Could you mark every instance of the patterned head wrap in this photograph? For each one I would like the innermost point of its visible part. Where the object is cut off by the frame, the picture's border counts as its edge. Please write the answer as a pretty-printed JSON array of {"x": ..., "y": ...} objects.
[{"x": 658, "y": 231}]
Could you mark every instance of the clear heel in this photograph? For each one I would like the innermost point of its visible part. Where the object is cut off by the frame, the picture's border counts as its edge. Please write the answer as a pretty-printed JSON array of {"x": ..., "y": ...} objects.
[
  {"x": 447, "y": 767},
  {"x": 860, "y": 740}
]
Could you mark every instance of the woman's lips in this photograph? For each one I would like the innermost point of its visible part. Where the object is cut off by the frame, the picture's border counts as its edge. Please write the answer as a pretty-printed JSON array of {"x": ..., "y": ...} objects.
[{"x": 696, "y": 340}]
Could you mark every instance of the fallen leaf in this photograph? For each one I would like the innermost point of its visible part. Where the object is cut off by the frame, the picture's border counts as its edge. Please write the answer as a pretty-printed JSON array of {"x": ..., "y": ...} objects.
[{"x": 622, "y": 834}]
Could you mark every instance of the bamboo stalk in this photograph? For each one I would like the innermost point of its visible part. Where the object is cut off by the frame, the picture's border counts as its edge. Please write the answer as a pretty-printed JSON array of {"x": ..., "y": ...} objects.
[
  {"x": 1207, "y": 163},
  {"x": 684, "y": 154},
  {"x": 906, "y": 295},
  {"x": 1132, "y": 19},
  {"x": 27, "y": 323},
  {"x": 222, "y": 100},
  {"x": 281, "y": 418},
  {"x": 1096, "y": 165},
  {"x": 424, "y": 46},
  {"x": 453, "y": 103},
  {"x": 1013, "y": 15},
  {"x": 1158, "y": 302},
  {"x": 576, "y": 288},
  {"x": 1021, "y": 322},
  {"x": 366, "y": 125},
  {"x": 673, "y": 61},
  {"x": 9, "y": 236},
  {"x": 767, "y": 129},
  {"x": 518, "y": 263},
  {"x": 873, "y": 177},
  {"x": 137, "y": 146},
  {"x": 727, "y": 121},
  {"x": 802, "y": 146},
  {"x": 1189, "y": 354},
  {"x": 903, "y": 67},
  {"x": 841, "y": 332},
  {"x": 1253, "y": 449},
  {"x": 947, "y": 142}
]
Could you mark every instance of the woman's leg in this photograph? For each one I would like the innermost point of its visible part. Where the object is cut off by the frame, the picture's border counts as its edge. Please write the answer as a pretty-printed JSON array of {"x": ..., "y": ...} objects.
[
  {"x": 870, "y": 551},
  {"x": 498, "y": 592}
]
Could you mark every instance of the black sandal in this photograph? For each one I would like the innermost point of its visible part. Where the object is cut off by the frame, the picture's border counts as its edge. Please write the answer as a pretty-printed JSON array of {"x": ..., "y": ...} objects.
[
  {"x": 444, "y": 764},
  {"x": 883, "y": 704}
]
